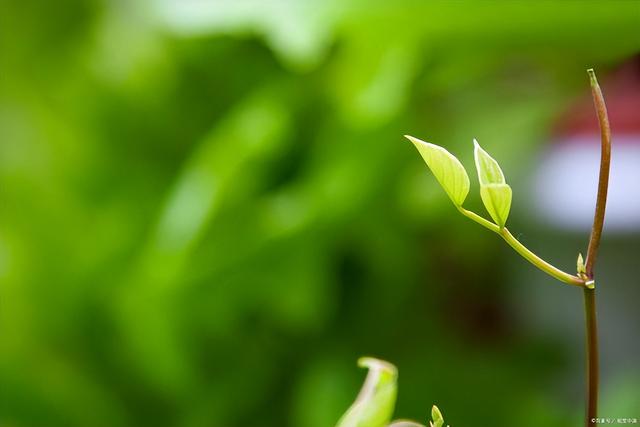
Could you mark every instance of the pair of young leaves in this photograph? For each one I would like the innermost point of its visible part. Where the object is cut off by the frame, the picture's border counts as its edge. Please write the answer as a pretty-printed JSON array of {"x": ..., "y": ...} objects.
[
  {"x": 452, "y": 176},
  {"x": 377, "y": 398}
]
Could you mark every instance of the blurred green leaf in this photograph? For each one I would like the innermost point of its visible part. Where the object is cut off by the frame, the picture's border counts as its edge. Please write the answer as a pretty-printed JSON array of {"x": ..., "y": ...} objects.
[
  {"x": 377, "y": 398},
  {"x": 436, "y": 417}
]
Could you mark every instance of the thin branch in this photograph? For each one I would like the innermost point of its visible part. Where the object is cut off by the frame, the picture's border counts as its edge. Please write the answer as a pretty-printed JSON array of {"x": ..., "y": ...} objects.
[
  {"x": 534, "y": 259},
  {"x": 525, "y": 252},
  {"x": 603, "y": 180},
  {"x": 477, "y": 218}
]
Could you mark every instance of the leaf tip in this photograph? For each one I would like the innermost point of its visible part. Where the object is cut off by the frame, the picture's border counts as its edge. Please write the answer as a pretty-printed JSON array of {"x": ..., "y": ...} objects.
[
  {"x": 373, "y": 363},
  {"x": 489, "y": 171},
  {"x": 416, "y": 141},
  {"x": 592, "y": 77}
]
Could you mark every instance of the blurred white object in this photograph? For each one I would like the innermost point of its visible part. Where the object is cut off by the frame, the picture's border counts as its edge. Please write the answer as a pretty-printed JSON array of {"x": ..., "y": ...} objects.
[{"x": 566, "y": 182}]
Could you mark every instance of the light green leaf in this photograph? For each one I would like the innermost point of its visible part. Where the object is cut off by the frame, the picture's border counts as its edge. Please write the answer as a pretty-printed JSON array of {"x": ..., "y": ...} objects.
[
  {"x": 374, "y": 405},
  {"x": 489, "y": 171},
  {"x": 497, "y": 200},
  {"x": 494, "y": 191},
  {"x": 446, "y": 168},
  {"x": 436, "y": 416},
  {"x": 581, "y": 268}
]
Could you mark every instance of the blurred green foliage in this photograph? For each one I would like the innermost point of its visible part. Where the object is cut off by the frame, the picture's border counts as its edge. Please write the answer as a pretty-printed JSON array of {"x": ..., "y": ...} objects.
[{"x": 207, "y": 210}]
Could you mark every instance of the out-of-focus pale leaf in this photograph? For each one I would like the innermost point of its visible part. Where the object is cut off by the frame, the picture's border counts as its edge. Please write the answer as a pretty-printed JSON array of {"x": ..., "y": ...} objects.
[
  {"x": 497, "y": 200},
  {"x": 494, "y": 191},
  {"x": 299, "y": 32},
  {"x": 405, "y": 423},
  {"x": 447, "y": 169},
  {"x": 374, "y": 405}
]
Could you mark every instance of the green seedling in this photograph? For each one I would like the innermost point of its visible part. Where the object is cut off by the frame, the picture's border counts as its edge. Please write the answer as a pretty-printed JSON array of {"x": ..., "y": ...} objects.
[
  {"x": 374, "y": 405},
  {"x": 496, "y": 196}
]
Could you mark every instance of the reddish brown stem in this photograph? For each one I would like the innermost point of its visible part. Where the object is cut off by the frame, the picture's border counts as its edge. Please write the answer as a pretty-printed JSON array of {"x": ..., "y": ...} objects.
[
  {"x": 593, "y": 360},
  {"x": 603, "y": 179},
  {"x": 591, "y": 323}
]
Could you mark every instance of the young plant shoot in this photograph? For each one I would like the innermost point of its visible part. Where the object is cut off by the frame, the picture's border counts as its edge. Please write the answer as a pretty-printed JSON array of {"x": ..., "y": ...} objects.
[
  {"x": 375, "y": 403},
  {"x": 496, "y": 196}
]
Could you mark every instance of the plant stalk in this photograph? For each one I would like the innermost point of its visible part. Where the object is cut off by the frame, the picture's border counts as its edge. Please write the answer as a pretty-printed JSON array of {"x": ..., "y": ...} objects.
[
  {"x": 593, "y": 362},
  {"x": 591, "y": 322}
]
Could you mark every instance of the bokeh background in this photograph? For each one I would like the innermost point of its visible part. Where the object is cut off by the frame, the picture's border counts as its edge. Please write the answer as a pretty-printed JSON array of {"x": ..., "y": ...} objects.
[{"x": 208, "y": 211}]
